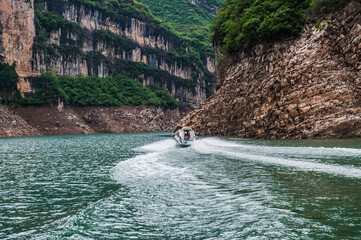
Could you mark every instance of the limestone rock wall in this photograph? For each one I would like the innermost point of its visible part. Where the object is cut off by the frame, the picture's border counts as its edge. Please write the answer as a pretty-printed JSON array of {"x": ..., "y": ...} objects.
[
  {"x": 17, "y": 33},
  {"x": 211, "y": 65},
  {"x": 146, "y": 46},
  {"x": 76, "y": 53},
  {"x": 305, "y": 88},
  {"x": 135, "y": 30}
]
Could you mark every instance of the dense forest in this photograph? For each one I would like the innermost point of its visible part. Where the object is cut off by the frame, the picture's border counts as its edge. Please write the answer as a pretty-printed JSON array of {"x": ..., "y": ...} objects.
[
  {"x": 189, "y": 20},
  {"x": 82, "y": 91},
  {"x": 244, "y": 23},
  {"x": 96, "y": 91}
]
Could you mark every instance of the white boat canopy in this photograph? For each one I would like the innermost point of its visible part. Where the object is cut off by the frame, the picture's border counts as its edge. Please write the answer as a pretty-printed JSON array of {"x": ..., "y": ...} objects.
[{"x": 186, "y": 133}]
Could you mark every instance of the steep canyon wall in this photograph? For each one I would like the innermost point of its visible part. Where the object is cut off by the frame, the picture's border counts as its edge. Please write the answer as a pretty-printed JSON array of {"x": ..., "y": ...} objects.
[
  {"x": 86, "y": 41},
  {"x": 17, "y": 34},
  {"x": 309, "y": 87}
]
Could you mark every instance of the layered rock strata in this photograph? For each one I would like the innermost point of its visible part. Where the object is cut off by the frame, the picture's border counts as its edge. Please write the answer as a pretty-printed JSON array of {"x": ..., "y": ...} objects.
[
  {"x": 304, "y": 88},
  {"x": 33, "y": 121},
  {"x": 83, "y": 40}
]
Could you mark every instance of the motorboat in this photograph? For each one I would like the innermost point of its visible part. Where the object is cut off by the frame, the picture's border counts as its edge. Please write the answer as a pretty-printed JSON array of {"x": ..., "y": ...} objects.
[{"x": 185, "y": 137}]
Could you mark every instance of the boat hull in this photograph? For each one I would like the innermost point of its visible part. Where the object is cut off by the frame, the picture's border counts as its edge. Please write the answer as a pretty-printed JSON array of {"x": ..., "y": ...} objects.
[{"x": 183, "y": 144}]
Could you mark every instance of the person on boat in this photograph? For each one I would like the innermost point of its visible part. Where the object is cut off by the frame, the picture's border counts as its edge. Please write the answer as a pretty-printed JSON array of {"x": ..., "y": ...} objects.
[{"x": 187, "y": 136}]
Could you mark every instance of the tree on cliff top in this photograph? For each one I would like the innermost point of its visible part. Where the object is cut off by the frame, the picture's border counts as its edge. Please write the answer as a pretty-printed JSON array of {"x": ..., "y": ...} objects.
[
  {"x": 8, "y": 82},
  {"x": 241, "y": 24},
  {"x": 189, "y": 20}
]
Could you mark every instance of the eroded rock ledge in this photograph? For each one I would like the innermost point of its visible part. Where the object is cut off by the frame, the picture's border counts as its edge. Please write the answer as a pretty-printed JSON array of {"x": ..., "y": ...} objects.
[
  {"x": 34, "y": 121},
  {"x": 305, "y": 88}
]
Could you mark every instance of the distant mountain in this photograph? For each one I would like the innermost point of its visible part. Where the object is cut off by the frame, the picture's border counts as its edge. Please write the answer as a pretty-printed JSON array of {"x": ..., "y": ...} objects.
[{"x": 190, "y": 18}]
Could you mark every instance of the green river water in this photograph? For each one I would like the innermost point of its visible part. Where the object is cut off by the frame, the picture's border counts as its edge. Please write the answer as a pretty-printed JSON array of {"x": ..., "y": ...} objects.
[{"x": 141, "y": 186}]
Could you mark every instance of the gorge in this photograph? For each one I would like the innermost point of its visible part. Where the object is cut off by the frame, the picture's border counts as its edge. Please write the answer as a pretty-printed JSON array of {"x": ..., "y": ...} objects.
[
  {"x": 102, "y": 39},
  {"x": 90, "y": 91},
  {"x": 301, "y": 82}
]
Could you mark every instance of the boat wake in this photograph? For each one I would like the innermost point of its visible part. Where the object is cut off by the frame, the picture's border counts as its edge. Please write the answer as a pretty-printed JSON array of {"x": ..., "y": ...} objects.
[
  {"x": 214, "y": 189},
  {"x": 158, "y": 146},
  {"x": 160, "y": 156},
  {"x": 182, "y": 190},
  {"x": 302, "y": 158}
]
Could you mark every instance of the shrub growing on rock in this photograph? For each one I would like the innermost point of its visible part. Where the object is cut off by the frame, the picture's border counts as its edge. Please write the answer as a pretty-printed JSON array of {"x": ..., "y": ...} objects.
[{"x": 8, "y": 82}]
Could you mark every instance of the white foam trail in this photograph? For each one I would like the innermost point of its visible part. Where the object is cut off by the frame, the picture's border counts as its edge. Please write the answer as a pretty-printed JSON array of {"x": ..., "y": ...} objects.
[
  {"x": 312, "y": 151},
  {"x": 158, "y": 146},
  {"x": 168, "y": 194},
  {"x": 217, "y": 146},
  {"x": 306, "y": 166},
  {"x": 137, "y": 167},
  {"x": 213, "y": 141},
  {"x": 155, "y": 163}
]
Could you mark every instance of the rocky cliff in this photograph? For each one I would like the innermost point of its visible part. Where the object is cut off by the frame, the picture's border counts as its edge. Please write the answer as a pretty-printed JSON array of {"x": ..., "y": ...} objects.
[
  {"x": 17, "y": 33},
  {"x": 34, "y": 121},
  {"x": 309, "y": 87},
  {"x": 80, "y": 38}
]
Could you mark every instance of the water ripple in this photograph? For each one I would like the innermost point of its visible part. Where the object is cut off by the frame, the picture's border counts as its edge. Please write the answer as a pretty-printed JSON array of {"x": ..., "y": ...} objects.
[{"x": 141, "y": 186}]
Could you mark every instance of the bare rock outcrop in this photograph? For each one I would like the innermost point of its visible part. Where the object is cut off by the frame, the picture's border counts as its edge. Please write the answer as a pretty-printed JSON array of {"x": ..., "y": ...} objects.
[
  {"x": 31, "y": 120},
  {"x": 17, "y": 34},
  {"x": 11, "y": 125},
  {"x": 309, "y": 87}
]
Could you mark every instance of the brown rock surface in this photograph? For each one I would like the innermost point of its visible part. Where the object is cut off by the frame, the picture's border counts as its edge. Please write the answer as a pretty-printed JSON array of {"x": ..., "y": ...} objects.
[
  {"x": 304, "y": 88},
  {"x": 17, "y": 34},
  {"x": 11, "y": 125},
  {"x": 29, "y": 121}
]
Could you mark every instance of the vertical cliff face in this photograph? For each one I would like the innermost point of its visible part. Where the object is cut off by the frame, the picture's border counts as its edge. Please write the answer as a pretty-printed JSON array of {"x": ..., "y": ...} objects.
[
  {"x": 17, "y": 33},
  {"x": 80, "y": 39},
  {"x": 304, "y": 88}
]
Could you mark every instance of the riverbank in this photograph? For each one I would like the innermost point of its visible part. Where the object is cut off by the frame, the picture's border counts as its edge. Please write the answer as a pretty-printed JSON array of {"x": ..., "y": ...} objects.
[{"x": 36, "y": 121}]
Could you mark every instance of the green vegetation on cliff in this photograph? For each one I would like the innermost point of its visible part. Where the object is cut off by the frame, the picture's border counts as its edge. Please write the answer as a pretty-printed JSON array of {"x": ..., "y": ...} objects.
[
  {"x": 96, "y": 91},
  {"x": 241, "y": 24},
  {"x": 119, "y": 11},
  {"x": 8, "y": 83},
  {"x": 244, "y": 23},
  {"x": 46, "y": 22},
  {"x": 185, "y": 52},
  {"x": 320, "y": 7},
  {"x": 188, "y": 20}
]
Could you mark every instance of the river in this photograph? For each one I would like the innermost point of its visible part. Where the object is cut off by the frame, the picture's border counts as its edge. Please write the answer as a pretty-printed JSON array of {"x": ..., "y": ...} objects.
[{"x": 141, "y": 186}]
